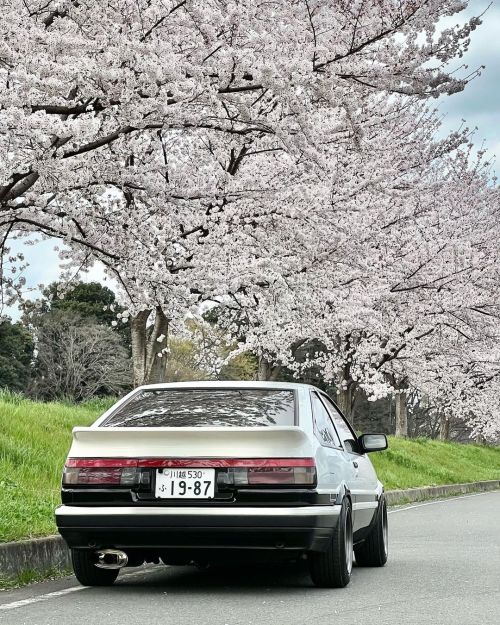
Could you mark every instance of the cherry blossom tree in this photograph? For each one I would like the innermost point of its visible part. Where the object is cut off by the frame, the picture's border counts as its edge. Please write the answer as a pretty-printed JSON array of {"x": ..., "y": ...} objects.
[
  {"x": 429, "y": 262},
  {"x": 232, "y": 151}
]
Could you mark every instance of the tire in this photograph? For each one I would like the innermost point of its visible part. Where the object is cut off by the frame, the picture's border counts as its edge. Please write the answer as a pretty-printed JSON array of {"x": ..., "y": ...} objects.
[
  {"x": 87, "y": 573},
  {"x": 332, "y": 568},
  {"x": 375, "y": 548}
]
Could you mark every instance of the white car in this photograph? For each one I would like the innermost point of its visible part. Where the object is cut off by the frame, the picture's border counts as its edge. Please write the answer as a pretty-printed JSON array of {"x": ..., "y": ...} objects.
[{"x": 210, "y": 471}]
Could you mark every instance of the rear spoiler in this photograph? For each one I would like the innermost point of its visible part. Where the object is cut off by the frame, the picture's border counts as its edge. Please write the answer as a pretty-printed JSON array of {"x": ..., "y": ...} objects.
[{"x": 201, "y": 442}]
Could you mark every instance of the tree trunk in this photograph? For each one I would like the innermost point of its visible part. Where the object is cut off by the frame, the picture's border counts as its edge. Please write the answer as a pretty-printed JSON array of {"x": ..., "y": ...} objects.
[
  {"x": 410, "y": 416},
  {"x": 345, "y": 400},
  {"x": 444, "y": 427},
  {"x": 267, "y": 371},
  {"x": 401, "y": 414},
  {"x": 346, "y": 393},
  {"x": 149, "y": 366},
  {"x": 138, "y": 325},
  {"x": 156, "y": 359}
]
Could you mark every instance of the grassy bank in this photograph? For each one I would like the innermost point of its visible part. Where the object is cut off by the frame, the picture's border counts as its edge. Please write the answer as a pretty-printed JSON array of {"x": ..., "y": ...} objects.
[
  {"x": 34, "y": 441},
  {"x": 35, "y": 437},
  {"x": 424, "y": 462}
]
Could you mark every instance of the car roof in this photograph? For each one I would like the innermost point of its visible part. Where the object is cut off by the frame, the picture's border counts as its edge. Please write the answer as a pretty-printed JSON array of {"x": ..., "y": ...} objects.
[{"x": 228, "y": 385}]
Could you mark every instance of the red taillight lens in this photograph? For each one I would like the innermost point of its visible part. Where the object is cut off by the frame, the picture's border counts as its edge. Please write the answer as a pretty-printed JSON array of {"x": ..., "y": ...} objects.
[
  {"x": 103, "y": 476},
  {"x": 299, "y": 471},
  {"x": 99, "y": 476},
  {"x": 272, "y": 475},
  {"x": 305, "y": 476},
  {"x": 237, "y": 472}
]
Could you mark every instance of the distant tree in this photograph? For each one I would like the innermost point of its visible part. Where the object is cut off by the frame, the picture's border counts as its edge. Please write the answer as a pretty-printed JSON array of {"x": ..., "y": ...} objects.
[
  {"x": 16, "y": 355},
  {"x": 89, "y": 300},
  {"x": 201, "y": 351},
  {"x": 78, "y": 358},
  {"x": 184, "y": 362},
  {"x": 241, "y": 367}
]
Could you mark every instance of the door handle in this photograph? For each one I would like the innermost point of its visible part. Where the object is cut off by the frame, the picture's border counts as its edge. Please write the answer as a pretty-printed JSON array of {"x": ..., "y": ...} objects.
[{"x": 355, "y": 464}]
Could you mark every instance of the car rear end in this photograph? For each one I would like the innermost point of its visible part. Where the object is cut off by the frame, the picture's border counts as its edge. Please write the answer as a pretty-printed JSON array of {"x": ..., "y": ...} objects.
[{"x": 188, "y": 473}]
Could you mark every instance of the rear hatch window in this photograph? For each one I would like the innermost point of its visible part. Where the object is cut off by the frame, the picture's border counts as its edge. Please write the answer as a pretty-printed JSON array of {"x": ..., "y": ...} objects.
[{"x": 205, "y": 407}]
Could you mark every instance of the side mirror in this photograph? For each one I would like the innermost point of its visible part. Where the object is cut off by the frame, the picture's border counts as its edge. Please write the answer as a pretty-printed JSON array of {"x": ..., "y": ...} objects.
[{"x": 373, "y": 442}]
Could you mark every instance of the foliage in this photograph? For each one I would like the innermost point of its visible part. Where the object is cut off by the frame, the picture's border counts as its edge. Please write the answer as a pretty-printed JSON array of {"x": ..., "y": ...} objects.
[
  {"x": 242, "y": 366},
  {"x": 201, "y": 352},
  {"x": 89, "y": 300},
  {"x": 78, "y": 348},
  {"x": 16, "y": 355},
  {"x": 78, "y": 359},
  {"x": 183, "y": 362},
  {"x": 35, "y": 438}
]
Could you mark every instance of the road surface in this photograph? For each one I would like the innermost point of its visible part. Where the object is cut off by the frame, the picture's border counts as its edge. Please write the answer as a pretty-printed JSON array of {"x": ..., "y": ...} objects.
[{"x": 444, "y": 568}]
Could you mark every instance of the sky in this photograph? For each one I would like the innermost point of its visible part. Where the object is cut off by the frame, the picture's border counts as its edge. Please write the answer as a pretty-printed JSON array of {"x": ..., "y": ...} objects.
[{"x": 478, "y": 105}]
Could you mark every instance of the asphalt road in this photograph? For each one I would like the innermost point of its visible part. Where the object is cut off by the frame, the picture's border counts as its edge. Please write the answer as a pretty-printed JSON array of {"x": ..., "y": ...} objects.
[{"x": 444, "y": 568}]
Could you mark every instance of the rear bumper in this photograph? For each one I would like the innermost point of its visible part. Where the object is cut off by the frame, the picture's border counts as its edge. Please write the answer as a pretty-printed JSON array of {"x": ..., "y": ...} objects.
[{"x": 300, "y": 528}]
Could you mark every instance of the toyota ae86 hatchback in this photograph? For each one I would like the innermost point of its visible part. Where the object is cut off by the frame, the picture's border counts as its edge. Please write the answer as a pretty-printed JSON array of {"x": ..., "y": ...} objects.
[{"x": 212, "y": 472}]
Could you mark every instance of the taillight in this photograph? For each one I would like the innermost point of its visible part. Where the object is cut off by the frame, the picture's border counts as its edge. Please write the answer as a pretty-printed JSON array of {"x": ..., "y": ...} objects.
[
  {"x": 300, "y": 476},
  {"x": 279, "y": 471},
  {"x": 239, "y": 472},
  {"x": 104, "y": 476}
]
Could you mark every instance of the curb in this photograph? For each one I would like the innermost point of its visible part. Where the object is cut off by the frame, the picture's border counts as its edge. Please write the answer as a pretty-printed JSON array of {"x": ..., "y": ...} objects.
[
  {"x": 51, "y": 553},
  {"x": 36, "y": 554},
  {"x": 398, "y": 497}
]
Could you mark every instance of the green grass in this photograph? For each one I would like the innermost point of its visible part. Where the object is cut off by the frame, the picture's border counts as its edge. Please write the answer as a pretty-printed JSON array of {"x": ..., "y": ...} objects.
[
  {"x": 35, "y": 438},
  {"x": 34, "y": 441},
  {"x": 425, "y": 462},
  {"x": 31, "y": 577}
]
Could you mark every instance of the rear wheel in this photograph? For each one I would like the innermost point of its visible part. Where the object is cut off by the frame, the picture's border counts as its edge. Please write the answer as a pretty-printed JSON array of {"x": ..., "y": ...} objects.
[
  {"x": 332, "y": 568},
  {"x": 374, "y": 550},
  {"x": 87, "y": 573}
]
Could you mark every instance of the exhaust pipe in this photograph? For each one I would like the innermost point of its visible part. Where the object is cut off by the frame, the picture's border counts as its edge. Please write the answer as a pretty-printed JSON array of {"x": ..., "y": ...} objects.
[{"x": 111, "y": 559}]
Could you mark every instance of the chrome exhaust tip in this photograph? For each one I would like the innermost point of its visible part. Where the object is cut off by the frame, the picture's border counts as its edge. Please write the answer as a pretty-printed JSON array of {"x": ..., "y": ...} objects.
[{"x": 111, "y": 559}]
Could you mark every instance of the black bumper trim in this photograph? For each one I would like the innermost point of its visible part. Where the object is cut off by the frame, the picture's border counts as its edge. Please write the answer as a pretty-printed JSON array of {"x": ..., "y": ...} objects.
[{"x": 178, "y": 530}]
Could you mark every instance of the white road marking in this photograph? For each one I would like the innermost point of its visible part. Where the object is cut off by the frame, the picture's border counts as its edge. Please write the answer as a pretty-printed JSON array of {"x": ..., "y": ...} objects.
[
  {"x": 46, "y": 597},
  {"x": 436, "y": 501},
  {"x": 59, "y": 593}
]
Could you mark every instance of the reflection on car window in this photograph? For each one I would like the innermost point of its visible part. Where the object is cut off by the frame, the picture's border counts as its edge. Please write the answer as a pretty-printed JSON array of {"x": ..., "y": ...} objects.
[
  {"x": 324, "y": 426},
  {"x": 345, "y": 432},
  {"x": 205, "y": 407}
]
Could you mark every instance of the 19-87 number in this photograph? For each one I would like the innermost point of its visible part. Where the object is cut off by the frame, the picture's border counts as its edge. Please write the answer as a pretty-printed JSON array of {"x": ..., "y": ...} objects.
[{"x": 198, "y": 487}]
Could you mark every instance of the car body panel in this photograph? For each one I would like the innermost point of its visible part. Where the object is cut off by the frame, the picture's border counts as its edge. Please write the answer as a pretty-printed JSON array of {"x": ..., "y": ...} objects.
[
  {"x": 364, "y": 492},
  {"x": 357, "y": 473},
  {"x": 193, "y": 442}
]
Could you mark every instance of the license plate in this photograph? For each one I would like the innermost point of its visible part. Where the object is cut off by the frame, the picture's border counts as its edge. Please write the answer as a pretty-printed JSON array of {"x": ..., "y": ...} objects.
[{"x": 185, "y": 483}]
